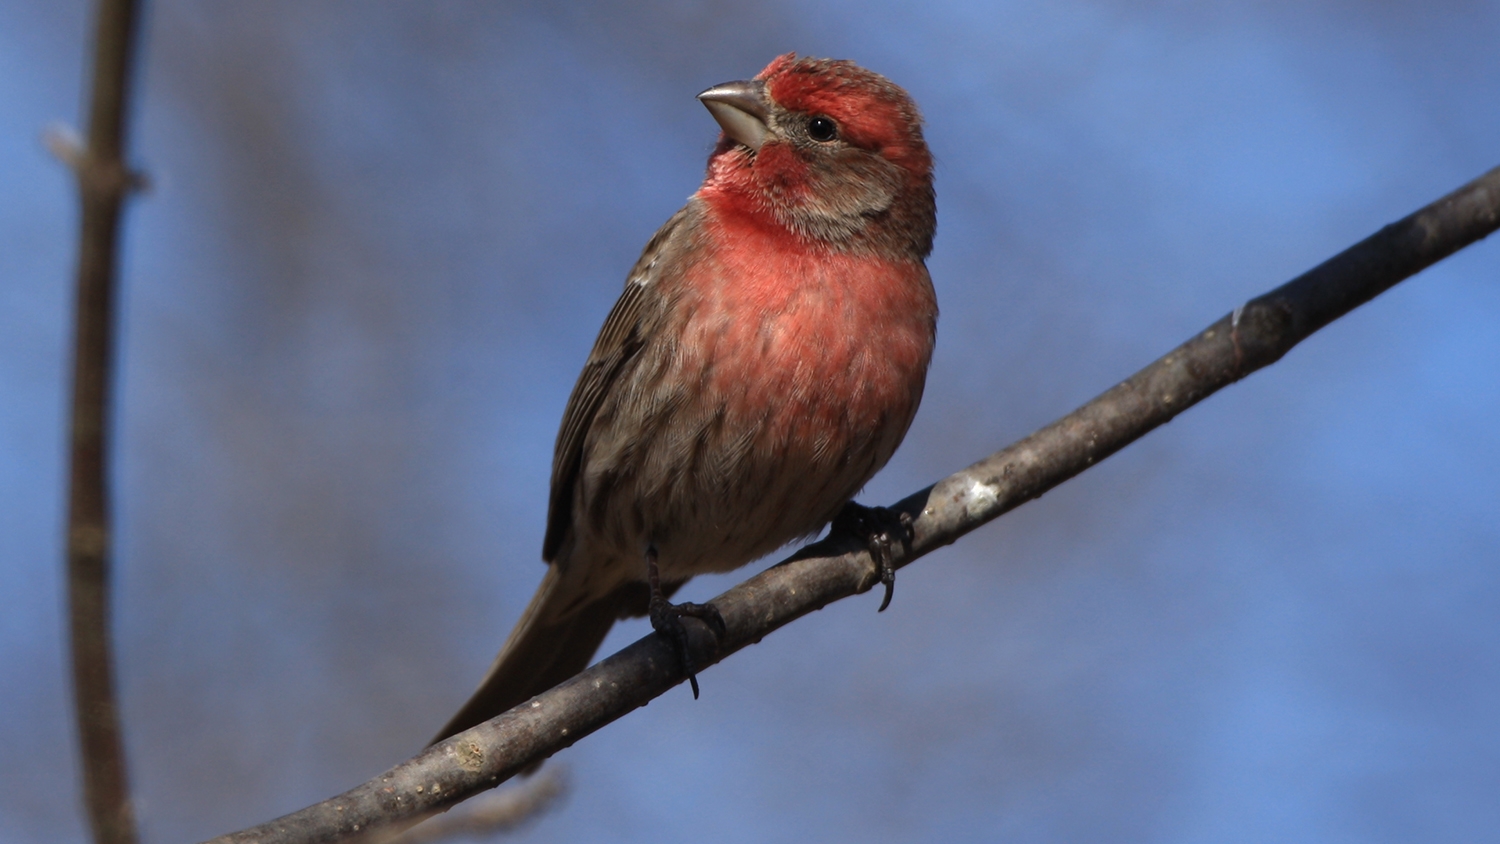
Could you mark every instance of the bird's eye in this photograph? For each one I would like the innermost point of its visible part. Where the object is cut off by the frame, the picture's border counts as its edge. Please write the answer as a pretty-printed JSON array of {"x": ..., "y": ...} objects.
[{"x": 822, "y": 129}]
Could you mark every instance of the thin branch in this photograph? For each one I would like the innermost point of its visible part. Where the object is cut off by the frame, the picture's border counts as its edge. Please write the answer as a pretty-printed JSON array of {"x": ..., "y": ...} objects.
[
  {"x": 1255, "y": 335},
  {"x": 495, "y": 814},
  {"x": 103, "y": 182}
]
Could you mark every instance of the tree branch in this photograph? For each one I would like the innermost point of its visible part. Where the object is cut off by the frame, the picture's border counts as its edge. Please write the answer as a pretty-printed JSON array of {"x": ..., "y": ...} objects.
[
  {"x": 103, "y": 182},
  {"x": 1255, "y": 335},
  {"x": 494, "y": 815}
]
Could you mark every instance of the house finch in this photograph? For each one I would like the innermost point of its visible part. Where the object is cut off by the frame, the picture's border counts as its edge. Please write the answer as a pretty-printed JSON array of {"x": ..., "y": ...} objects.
[{"x": 764, "y": 361}]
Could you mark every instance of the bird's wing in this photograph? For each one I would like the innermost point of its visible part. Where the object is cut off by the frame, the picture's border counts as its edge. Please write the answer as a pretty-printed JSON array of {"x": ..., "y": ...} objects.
[{"x": 619, "y": 341}]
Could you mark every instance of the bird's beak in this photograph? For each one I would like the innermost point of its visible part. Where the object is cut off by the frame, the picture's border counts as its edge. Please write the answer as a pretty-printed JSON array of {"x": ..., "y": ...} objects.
[{"x": 740, "y": 108}]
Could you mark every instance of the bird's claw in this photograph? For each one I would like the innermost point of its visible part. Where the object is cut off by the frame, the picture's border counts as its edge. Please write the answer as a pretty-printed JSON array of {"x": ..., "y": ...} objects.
[
  {"x": 881, "y": 528},
  {"x": 666, "y": 620}
]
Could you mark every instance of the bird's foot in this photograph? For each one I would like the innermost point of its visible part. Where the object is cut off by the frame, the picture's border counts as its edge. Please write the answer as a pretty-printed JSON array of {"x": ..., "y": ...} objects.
[
  {"x": 881, "y": 528},
  {"x": 666, "y": 620}
]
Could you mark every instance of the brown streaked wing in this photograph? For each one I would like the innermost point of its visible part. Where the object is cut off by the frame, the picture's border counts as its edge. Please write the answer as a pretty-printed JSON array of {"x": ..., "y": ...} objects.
[{"x": 619, "y": 341}]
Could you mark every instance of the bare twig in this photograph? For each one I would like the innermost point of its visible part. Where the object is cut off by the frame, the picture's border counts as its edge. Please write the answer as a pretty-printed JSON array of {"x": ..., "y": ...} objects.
[
  {"x": 1256, "y": 334},
  {"x": 494, "y": 814},
  {"x": 103, "y": 182}
]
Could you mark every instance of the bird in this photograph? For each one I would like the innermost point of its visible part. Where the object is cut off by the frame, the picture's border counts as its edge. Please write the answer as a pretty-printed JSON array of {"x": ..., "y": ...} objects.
[{"x": 764, "y": 361}]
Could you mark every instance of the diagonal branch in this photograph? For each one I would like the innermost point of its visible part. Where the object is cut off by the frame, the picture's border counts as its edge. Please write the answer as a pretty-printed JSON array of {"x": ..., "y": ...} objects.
[
  {"x": 491, "y": 816},
  {"x": 103, "y": 182},
  {"x": 1255, "y": 335}
]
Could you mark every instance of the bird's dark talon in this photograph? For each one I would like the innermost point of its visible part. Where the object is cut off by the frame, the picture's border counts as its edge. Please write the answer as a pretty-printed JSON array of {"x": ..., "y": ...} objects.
[
  {"x": 706, "y": 613},
  {"x": 666, "y": 620},
  {"x": 881, "y": 528},
  {"x": 890, "y": 588}
]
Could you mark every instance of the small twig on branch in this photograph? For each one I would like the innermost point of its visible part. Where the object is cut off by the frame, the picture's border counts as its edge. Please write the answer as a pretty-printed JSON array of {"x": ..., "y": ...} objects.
[
  {"x": 103, "y": 182},
  {"x": 493, "y": 814},
  {"x": 1255, "y": 335}
]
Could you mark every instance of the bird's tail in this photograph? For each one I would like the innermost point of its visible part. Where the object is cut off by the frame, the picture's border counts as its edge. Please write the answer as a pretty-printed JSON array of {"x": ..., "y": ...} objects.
[{"x": 546, "y": 648}]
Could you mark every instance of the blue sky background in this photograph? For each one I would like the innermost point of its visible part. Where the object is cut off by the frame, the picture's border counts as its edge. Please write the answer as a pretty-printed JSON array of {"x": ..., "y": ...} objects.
[{"x": 383, "y": 236}]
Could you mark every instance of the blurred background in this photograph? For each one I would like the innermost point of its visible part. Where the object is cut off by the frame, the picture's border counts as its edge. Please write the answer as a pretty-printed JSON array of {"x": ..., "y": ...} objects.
[{"x": 383, "y": 236}]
